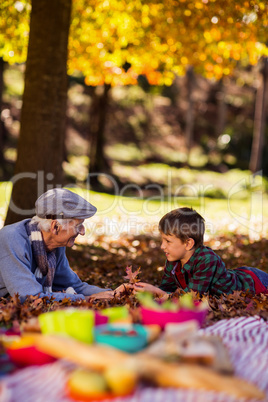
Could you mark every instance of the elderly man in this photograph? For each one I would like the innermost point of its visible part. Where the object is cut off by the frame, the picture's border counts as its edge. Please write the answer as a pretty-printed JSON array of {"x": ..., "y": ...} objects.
[{"x": 32, "y": 251}]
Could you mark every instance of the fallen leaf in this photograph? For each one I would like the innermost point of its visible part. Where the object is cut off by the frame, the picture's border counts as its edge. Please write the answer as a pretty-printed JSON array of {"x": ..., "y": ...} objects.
[{"x": 132, "y": 276}]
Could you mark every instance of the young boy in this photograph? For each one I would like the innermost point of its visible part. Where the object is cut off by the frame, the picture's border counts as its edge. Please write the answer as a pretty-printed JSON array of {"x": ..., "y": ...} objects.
[{"x": 192, "y": 266}]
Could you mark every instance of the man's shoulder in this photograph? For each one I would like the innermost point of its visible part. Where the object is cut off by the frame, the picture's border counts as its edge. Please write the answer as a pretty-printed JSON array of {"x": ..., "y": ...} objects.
[
  {"x": 17, "y": 227},
  {"x": 14, "y": 233}
]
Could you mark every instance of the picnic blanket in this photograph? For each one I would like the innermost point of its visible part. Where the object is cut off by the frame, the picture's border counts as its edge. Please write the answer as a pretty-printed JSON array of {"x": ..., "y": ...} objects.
[{"x": 246, "y": 339}]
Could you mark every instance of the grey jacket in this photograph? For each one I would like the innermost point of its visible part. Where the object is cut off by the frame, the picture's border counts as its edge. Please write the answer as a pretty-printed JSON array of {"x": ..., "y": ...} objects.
[{"x": 17, "y": 267}]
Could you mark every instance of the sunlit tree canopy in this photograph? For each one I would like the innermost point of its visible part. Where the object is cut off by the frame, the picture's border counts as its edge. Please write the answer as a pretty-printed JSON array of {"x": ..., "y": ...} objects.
[
  {"x": 14, "y": 30},
  {"x": 113, "y": 41}
]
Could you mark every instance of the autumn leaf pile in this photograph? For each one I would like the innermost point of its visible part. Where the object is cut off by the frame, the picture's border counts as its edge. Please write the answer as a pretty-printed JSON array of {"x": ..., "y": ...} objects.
[
  {"x": 237, "y": 304},
  {"x": 105, "y": 263}
]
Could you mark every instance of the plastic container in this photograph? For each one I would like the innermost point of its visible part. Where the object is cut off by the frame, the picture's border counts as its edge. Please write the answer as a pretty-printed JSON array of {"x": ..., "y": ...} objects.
[
  {"x": 100, "y": 319},
  {"x": 28, "y": 356},
  {"x": 129, "y": 338},
  {"x": 23, "y": 352},
  {"x": 161, "y": 318}
]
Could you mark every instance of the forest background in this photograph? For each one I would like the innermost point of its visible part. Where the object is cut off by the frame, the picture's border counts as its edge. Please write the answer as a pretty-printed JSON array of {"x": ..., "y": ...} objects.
[{"x": 164, "y": 105}]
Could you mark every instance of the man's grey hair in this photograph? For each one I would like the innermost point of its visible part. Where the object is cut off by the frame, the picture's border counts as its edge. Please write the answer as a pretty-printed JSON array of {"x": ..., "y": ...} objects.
[{"x": 44, "y": 224}]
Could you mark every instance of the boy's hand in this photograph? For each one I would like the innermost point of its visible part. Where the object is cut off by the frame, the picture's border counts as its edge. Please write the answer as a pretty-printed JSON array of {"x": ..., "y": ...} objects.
[
  {"x": 107, "y": 294},
  {"x": 147, "y": 287}
]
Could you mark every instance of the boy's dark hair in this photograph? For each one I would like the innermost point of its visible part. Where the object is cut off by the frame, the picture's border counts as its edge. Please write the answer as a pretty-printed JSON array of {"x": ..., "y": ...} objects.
[{"x": 184, "y": 223}]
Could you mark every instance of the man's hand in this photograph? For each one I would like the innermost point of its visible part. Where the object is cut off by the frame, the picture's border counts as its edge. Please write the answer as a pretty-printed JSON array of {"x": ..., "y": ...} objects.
[
  {"x": 147, "y": 287},
  {"x": 106, "y": 295},
  {"x": 122, "y": 288}
]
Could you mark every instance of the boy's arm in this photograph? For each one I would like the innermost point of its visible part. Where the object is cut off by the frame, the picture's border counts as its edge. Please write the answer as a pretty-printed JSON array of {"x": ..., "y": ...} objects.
[
  {"x": 168, "y": 283},
  {"x": 147, "y": 287}
]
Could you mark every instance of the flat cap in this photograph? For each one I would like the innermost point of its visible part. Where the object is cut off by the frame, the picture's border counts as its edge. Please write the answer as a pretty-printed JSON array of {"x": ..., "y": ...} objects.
[{"x": 59, "y": 203}]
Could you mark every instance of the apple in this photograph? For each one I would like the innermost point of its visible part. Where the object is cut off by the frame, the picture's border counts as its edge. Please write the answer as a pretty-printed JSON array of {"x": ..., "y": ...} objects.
[
  {"x": 83, "y": 384},
  {"x": 121, "y": 380}
]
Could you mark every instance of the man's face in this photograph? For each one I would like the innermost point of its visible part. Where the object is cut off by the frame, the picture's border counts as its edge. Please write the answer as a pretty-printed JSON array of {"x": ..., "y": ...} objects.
[
  {"x": 173, "y": 247},
  {"x": 67, "y": 234}
]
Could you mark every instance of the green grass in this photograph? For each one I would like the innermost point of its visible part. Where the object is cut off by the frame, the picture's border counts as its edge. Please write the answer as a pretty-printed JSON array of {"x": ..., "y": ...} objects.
[
  {"x": 5, "y": 193},
  {"x": 183, "y": 182},
  {"x": 141, "y": 214},
  {"x": 136, "y": 216},
  {"x": 13, "y": 78},
  {"x": 192, "y": 182}
]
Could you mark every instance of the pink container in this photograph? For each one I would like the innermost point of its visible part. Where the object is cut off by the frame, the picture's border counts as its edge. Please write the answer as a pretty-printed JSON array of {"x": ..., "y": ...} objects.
[
  {"x": 162, "y": 318},
  {"x": 100, "y": 319}
]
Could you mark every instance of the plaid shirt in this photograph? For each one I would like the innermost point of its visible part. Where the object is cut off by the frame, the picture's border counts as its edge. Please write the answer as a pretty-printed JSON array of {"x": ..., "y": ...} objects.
[{"x": 205, "y": 272}]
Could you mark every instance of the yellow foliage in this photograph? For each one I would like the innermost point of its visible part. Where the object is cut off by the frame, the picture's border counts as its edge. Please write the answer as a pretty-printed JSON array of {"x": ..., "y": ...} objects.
[
  {"x": 187, "y": 12},
  {"x": 13, "y": 35},
  {"x": 198, "y": 5},
  {"x": 158, "y": 39},
  {"x": 184, "y": 60}
]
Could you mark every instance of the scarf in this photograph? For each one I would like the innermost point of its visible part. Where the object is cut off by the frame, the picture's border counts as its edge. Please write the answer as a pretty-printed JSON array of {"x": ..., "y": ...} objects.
[{"x": 46, "y": 262}]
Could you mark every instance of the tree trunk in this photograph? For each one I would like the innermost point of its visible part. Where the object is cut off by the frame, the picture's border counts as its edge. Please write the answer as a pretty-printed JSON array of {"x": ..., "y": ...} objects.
[
  {"x": 98, "y": 113},
  {"x": 261, "y": 103},
  {"x": 190, "y": 83},
  {"x": 40, "y": 148},
  {"x": 2, "y": 159},
  {"x": 222, "y": 109}
]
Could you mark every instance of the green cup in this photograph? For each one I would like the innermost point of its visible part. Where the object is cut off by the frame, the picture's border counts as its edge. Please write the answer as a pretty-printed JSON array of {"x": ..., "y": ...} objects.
[
  {"x": 53, "y": 322},
  {"x": 115, "y": 313},
  {"x": 78, "y": 324}
]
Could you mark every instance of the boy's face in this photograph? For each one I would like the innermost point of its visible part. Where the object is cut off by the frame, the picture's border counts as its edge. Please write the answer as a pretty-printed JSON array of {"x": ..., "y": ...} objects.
[{"x": 174, "y": 248}]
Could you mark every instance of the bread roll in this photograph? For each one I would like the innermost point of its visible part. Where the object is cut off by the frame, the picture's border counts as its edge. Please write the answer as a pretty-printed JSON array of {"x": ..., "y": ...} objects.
[{"x": 101, "y": 357}]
